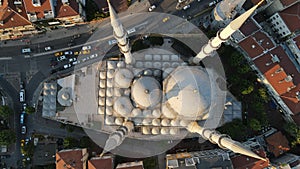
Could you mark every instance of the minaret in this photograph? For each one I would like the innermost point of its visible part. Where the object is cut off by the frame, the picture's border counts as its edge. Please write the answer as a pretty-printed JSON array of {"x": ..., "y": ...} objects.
[
  {"x": 223, "y": 141},
  {"x": 223, "y": 35},
  {"x": 116, "y": 138},
  {"x": 121, "y": 35}
]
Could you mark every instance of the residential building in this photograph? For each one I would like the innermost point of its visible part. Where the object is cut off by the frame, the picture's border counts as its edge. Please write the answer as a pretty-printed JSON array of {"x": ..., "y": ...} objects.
[
  {"x": 105, "y": 162},
  {"x": 67, "y": 11},
  {"x": 72, "y": 159},
  {"x": 215, "y": 158},
  {"x": 39, "y": 9},
  {"x": 286, "y": 22},
  {"x": 289, "y": 161},
  {"x": 12, "y": 23},
  {"x": 244, "y": 162},
  {"x": 277, "y": 144},
  {"x": 131, "y": 165}
]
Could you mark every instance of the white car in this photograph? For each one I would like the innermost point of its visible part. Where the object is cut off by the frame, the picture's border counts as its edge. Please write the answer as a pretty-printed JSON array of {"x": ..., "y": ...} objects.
[
  {"x": 63, "y": 57},
  {"x": 186, "y": 7},
  {"x": 23, "y": 130},
  {"x": 68, "y": 52},
  {"x": 26, "y": 50},
  {"x": 22, "y": 95},
  {"x": 75, "y": 62},
  {"x": 94, "y": 55},
  {"x": 67, "y": 66},
  {"x": 131, "y": 30},
  {"x": 72, "y": 59},
  {"x": 151, "y": 8},
  {"x": 47, "y": 48},
  {"x": 111, "y": 42},
  {"x": 86, "y": 47}
]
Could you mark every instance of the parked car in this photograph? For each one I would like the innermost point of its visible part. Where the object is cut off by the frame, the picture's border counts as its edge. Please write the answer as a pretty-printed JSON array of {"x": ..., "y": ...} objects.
[
  {"x": 61, "y": 58},
  {"x": 111, "y": 42},
  {"x": 22, "y": 117},
  {"x": 151, "y": 8},
  {"x": 72, "y": 59},
  {"x": 67, "y": 66},
  {"x": 22, "y": 95},
  {"x": 22, "y": 143},
  {"x": 26, "y": 50},
  {"x": 23, "y": 130},
  {"x": 47, "y": 48},
  {"x": 94, "y": 55},
  {"x": 186, "y": 7},
  {"x": 58, "y": 54},
  {"x": 24, "y": 106},
  {"x": 68, "y": 52},
  {"x": 86, "y": 47}
]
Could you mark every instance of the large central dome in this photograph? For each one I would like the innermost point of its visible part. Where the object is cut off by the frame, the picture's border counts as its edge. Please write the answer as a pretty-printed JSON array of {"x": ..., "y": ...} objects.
[
  {"x": 146, "y": 92},
  {"x": 187, "y": 92}
]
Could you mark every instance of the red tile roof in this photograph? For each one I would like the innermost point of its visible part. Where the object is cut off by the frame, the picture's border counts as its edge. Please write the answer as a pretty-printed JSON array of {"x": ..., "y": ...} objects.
[
  {"x": 245, "y": 162},
  {"x": 277, "y": 144},
  {"x": 291, "y": 17},
  {"x": 67, "y": 9},
  {"x": 287, "y": 2},
  {"x": 74, "y": 159},
  {"x": 10, "y": 17},
  {"x": 251, "y": 47},
  {"x": 263, "y": 40},
  {"x": 39, "y": 10},
  {"x": 249, "y": 27},
  {"x": 276, "y": 74},
  {"x": 100, "y": 163}
]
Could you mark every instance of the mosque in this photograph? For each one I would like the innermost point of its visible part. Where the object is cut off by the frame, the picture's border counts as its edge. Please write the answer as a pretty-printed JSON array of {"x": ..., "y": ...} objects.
[{"x": 152, "y": 96}]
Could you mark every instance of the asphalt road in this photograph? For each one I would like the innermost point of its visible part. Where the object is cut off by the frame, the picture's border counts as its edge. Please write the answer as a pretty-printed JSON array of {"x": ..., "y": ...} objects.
[{"x": 39, "y": 62}]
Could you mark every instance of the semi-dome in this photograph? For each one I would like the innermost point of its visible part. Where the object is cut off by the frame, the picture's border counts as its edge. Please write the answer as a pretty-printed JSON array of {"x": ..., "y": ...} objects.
[
  {"x": 123, "y": 78},
  {"x": 146, "y": 92},
  {"x": 123, "y": 106},
  {"x": 187, "y": 91}
]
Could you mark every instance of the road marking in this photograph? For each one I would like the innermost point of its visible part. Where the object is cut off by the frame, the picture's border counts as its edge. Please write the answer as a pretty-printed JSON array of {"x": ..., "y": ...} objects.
[{"x": 5, "y": 58}]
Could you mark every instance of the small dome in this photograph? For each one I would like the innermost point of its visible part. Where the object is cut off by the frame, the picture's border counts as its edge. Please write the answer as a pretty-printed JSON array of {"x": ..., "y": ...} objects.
[
  {"x": 119, "y": 121},
  {"x": 175, "y": 122},
  {"x": 146, "y": 130},
  {"x": 156, "y": 122},
  {"x": 46, "y": 92},
  {"x": 147, "y": 121},
  {"x": 164, "y": 131},
  {"x": 109, "y": 101},
  {"x": 165, "y": 122},
  {"x": 156, "y": 113},
  {"x": 111, "y": 65},
  {"x": 123, "y": 106},
  {"x": 110, "y": 73},
  {"x": 109, "y": 83},
  {"x": 109, "y": 92},
  {"x": 121, "y": 64},
  {"x": 184, "y": 123},
  {"x": 100, "y": 110},
  {"x": 123, "y": 78},
  {"x": 101, "y": 101},
  {"x": 53, "y": 87},
  {"x": 148, "y": 72},
  {"x": 102, "y": 75},
  {"x": 146, "y": 92},
  {"x": 109, "y": 111},
  {"x": 136, "y": 112},
  {"x": 102, "y": 84},
  {"x": 155, "y": 131},
  {"x": 101, "y": 92},
  {"x": 109, "y": 120}
]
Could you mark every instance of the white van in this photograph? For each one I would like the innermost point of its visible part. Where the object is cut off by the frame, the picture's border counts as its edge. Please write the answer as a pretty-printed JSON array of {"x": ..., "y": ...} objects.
[
  {"x": 22, "y": 95},
  {"x": 26, "y": 50}
]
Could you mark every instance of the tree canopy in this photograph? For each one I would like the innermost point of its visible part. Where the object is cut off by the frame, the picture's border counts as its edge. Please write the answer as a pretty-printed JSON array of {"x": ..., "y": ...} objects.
[
  {"x": 5, "y": 111},
  {"x": 7, "y": 137}
]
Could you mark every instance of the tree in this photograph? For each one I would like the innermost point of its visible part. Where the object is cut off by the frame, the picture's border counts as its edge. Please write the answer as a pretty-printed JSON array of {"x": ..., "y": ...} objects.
[
  {"x": 70, "y": 142},
  {"x": 85, "y": 142},
  {"x": 248, "y": 90},
  {"x": 30, "y": 110},
  {"x": 263, "y": 94},
  {"x": 70, "y": 128},
  {"x": 5, "y": 111},
  {"x": 294, "y": 131},
  {"x": 7, "y": 137},
  {"x": 255, "y": 124},
  {"x": 235, "y": 129}
]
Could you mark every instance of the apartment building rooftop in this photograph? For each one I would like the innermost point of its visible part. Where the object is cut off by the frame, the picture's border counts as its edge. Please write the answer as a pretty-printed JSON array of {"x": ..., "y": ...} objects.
[
  {"x": 291, "y": 17},
  {"x": 38, "y": 9},
  {"x": 244, "y": 162},
  {"x": 67, "y": 8},
  {"x": 277, "y": 144}
]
